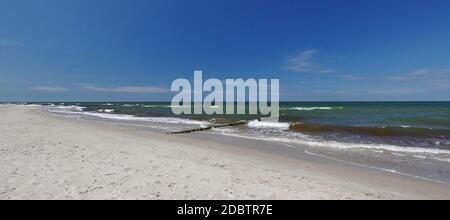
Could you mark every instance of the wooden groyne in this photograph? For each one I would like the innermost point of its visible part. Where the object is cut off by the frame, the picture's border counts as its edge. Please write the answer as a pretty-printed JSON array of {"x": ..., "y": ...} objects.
[{"x": 209, "y": 128}]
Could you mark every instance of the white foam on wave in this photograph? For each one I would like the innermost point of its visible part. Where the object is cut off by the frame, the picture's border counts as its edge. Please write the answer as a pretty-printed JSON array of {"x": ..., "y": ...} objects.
[
  {"x": 171, "y": 106},
  {"x": 69, "y": 107},
  {"x": 123, "y": 117},
  {"x": 29, "y": 105},
  {"x": 314, "y": 108},
  {"x": 156, "y": 106},
  {"x": 106, "y": 110},
  {"x": 169, "y": 120},
  {"x": 267, "y": 124},
  {"x": 387, "y": 147}
]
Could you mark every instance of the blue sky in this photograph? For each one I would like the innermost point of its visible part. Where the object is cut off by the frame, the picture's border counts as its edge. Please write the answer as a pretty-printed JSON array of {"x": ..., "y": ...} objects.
[{"x": 118, "y": 50}]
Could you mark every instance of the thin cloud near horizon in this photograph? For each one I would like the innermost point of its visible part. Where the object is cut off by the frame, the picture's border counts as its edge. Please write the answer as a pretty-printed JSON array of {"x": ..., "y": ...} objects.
[
  {"x": 440, "y": 77},
  {"x": 50, "y": 89}
]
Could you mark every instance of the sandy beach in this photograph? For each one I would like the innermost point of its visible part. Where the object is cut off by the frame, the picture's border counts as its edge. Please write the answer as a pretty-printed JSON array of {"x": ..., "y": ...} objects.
[{"x": 48, "y": 157}]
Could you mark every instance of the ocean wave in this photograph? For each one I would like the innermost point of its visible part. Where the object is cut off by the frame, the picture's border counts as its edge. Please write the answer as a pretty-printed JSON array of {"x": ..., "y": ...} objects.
[
  {"x": 69, "y": 107},
  {"x": 124, "y": 117},
  {"x": 156, "y": 106},
  {"x": 170, "y": 120},
  {"x": 106, "y": 110},
  {"x": 266, "y": 124},
  {"x": 394, "y": 131},
  {"x": 174, "y": 106},
  {"x": 29, "y": 105},
  {"x": 314, "y": 108},
  {"x": 393, "y": 148},
  {"x": 306, "y": 140}
]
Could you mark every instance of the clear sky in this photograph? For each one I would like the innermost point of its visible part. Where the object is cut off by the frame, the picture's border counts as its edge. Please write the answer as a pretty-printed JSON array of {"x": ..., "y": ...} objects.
[{"x": 124, "y": 50}]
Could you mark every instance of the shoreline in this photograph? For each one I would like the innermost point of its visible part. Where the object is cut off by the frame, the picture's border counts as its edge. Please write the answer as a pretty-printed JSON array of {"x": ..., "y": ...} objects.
[{"x": 48, "y": 157}]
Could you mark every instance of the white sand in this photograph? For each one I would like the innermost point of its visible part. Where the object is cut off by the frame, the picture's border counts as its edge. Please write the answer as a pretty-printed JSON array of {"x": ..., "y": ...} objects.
[{"x": 46, "y": 157}]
